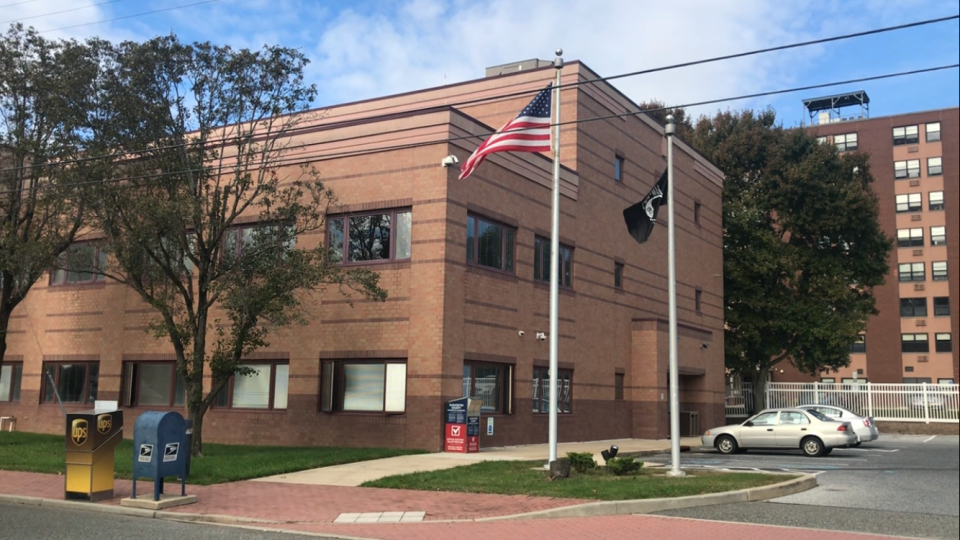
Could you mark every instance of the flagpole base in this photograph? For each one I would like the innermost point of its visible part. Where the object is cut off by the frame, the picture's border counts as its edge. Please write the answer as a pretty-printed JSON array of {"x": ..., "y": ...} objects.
[{"x": 676, "y": 473}]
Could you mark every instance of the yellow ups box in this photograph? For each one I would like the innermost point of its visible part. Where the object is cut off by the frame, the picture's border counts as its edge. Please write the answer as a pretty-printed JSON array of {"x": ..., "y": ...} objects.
[{"x": 91, "y": 439}]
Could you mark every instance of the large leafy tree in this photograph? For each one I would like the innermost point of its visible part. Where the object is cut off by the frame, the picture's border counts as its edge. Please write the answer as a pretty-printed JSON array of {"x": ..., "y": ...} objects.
[
  {"x": 44, "y": 108},
  {"x": 205, "y": 135},
  {"x": 802, "y": 245},
  {"x": 659, "y": 111}
]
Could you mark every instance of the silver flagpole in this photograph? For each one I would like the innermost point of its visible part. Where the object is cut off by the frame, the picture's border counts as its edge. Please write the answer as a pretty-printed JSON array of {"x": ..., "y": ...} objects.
[
  {"x": 670, "y": 130},
  {"x": 555, "y": 262}
]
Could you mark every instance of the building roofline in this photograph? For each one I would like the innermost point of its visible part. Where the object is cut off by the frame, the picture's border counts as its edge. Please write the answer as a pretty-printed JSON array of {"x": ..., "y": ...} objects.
[{"x": 846, "y": 122}]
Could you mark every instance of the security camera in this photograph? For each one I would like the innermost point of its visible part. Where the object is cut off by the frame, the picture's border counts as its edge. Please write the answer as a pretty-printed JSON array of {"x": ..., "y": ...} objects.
[
  {"x": 449, "y": 161},
  {"x": 520, "y": 333},
  {"x": 704, "y": 345},
  {"x": 541, "y": 336}
]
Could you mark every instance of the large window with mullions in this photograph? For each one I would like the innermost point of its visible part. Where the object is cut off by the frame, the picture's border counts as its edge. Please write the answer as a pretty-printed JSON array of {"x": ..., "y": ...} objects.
[
  {"x": 371, "y": 237},
  {"x": 491, "y": 244}
]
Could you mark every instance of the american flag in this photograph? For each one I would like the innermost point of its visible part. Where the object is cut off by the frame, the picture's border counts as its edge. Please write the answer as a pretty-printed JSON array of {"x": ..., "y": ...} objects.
[{"x": 528, "y": 132}]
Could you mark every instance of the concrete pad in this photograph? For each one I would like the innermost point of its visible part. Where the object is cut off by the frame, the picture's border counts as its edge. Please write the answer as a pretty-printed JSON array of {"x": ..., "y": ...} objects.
[
  {"x": 346, "y": 517},
  {"x": 166, "y": 501}
]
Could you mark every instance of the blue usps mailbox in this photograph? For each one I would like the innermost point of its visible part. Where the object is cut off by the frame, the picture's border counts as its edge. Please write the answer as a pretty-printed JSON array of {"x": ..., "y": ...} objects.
[{"x": 160, "y": 448}]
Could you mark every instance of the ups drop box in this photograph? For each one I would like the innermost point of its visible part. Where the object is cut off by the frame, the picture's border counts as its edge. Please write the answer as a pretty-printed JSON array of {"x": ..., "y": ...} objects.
[{"x": 91, "y": 438}]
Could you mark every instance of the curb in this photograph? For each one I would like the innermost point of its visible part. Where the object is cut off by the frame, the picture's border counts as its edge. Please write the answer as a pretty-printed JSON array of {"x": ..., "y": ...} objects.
[{"x": 605, "y": 508}]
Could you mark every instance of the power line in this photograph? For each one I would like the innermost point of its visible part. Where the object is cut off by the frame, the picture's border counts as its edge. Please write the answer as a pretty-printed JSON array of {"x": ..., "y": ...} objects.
[
  {"x": 59, "y": 12},
  {"x": 128, "y": 16},
  {"x": 342, "y": 155},
  {"x": 574, "y": 84},
  {"x": 18, "y": 3}
]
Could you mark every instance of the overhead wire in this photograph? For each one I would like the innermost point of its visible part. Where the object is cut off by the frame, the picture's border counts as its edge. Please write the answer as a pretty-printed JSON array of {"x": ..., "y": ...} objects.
[
  {"x": 172, "y": 8},
  {"x": 87, "y": 6}
]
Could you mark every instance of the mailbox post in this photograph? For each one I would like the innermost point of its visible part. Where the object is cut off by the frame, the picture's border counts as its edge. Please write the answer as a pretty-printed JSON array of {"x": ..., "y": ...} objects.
[
  {"x": 160, "y": 449},
  {"x": 462, "y": 426},
  {"x": 91, "y": 438}
]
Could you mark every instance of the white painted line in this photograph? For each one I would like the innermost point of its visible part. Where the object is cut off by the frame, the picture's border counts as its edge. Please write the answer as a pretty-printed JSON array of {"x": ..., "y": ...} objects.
[{"x": 930, "y": 439}]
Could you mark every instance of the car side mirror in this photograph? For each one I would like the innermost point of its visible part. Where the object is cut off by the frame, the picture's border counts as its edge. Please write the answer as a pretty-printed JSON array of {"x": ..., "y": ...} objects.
[{"x": 748, "y": 424}]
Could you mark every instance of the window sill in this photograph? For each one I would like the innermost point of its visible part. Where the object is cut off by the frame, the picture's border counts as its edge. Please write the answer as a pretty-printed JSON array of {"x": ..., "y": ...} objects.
[
  {"x": 363, "y": 413},
  {"x": 388, "y": 264},
  {"x": 492, "y": 272},
  {"x": 76, "y": 286},
  {"x": 544, "y": 285},
  {"x": 246, "y": 410}
]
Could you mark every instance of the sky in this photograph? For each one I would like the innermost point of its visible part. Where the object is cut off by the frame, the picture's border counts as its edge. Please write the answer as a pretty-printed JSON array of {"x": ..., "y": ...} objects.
[{"x": 362, "y": 49}]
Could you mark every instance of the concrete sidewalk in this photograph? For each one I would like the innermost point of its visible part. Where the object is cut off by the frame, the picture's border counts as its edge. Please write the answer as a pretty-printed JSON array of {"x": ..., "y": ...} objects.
[{"x": 355, "y": 474}]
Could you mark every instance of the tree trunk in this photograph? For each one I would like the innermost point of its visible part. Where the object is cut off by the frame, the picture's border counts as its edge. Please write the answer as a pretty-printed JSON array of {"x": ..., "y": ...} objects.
[
  {"x": 4, "y": 322},
  {"x": 196, "y": 444},
  {"x": 760, "y": 389}
]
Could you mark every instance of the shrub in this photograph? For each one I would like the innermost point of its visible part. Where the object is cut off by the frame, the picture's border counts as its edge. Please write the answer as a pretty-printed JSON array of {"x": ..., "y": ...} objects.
[
  {"x": 622, "y": 466},
  {"x": 581, "y": 461}
]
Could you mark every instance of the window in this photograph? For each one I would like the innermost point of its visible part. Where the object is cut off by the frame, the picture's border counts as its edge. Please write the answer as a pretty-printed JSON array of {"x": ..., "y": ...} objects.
[
  {"x": 698, "y": 300},
  {"x": 913, "y": 307},
  {"x": 764, "y": 419},
  {"x": 490, "y": 244},
  {"x": 541, "y": 262},
  {"x": 938, "y": 236},
  {"x": 912, "y": 202},
  {"x": 914, "y": 343},
  {"x": 934, "y": 166},
  {"x": 618, "y": 163},
  {"x": 828, "y": 380},
  {"x": 696, "y": 213},
  {"x": 846, "y": 142},
  {"x": 541, "y": 390},
  {"x": 618, "y": 275},
  {"x": 944, "y": 344},
  {"x": 618, "y": 386},
  {"x": 860, "y": 345},
  {"x": 912, "y": 272},
  {"x": 910, "y": 237},
  {"x": 945, "y": 381},
  {"x": 264, "y": 388},
  {"x": 75, "y": 382},
  {"x": 906, "y": 169},
  {"x": 790, "y": 418},
  {"x": 152, "y": 384},
  {"x": 821, "y": 140},
  {"x": 371, "y": 386},
  {"x": 906, "y": 135},
  {"x": 364, "y": 238},
  {"x": 10, "y": 375},
  {"x": 490, "y": 383},
  {"x": 909, "y": 369},
  {"x": 83, "y": 261},
  {"x": 916, "y": 380},
  {"x": 936, "y": 200},
  {"x": 933, "y": 131},
  {"x": 939, "y": 270},
  {"x": 941, "y": 306}
]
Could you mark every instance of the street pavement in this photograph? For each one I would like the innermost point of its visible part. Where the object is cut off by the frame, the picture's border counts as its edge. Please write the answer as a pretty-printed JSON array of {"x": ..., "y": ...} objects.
[{"x": 899, "y": 484}]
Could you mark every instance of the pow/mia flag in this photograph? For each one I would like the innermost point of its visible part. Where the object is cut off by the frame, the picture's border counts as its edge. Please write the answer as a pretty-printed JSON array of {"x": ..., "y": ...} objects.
[{"x": 641, "y": 217}]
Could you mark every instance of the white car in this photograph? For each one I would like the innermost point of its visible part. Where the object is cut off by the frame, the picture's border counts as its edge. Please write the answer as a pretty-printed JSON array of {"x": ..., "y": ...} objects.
[
  {"x": 806, "y": 430},
  {"x": 863, "y": 426}
]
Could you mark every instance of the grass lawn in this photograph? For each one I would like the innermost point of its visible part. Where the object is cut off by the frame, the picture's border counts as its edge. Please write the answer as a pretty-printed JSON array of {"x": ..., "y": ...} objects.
[
  {"x": 34, "y": 452},
  {"x": 520, "y": 478}
]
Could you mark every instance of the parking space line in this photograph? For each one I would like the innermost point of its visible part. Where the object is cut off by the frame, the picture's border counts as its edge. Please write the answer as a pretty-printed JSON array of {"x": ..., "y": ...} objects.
[{"x": 930, "y": 439}]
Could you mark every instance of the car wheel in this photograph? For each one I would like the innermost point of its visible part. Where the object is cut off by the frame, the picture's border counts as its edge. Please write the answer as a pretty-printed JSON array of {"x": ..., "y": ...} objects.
[
  {"x": 727, "y": 445},
  {"x": 812, "y": 447},
  {"x": 857, "y": 443},
  {"x": 826, "y": 451}
]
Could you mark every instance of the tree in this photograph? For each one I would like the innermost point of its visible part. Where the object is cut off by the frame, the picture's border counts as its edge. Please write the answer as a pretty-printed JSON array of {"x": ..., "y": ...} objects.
[
  {"x": 658, "y": 111},
  {"x": 44, "y": 106},
  {"x": 205, "y": 131},
  {"x": 802, "y": 245}
]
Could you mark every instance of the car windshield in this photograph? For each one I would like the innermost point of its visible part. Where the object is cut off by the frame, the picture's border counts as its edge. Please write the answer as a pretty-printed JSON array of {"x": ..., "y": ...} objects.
[{"x": 818, "y": 416}]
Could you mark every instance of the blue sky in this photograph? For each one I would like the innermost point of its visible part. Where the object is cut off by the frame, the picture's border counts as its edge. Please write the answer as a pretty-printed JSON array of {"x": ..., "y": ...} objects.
[{"x": 365, "y": 48}]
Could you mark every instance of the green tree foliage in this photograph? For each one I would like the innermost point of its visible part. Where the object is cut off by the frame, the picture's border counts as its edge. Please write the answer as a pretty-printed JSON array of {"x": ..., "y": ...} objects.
[
  {"x": 658, "y": 111},
  {"x": 802, "y": 245},
  {"x": 206, "y": 134},
  {"x": 44, "y": 107}
]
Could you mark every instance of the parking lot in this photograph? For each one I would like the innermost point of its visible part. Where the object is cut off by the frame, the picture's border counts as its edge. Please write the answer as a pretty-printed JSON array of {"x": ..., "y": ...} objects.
[{"x": 900, "y": 484}]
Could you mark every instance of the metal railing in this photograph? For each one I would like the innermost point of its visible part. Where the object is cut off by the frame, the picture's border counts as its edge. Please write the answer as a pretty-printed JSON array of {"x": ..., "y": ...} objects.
[
  {"x": 739, "y": 400},
  {"x": 888, "y": 402}
]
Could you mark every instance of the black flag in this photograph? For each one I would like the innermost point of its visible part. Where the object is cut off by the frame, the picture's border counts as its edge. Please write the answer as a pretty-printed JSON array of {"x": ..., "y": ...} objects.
[{"x": 641, "y": 216}]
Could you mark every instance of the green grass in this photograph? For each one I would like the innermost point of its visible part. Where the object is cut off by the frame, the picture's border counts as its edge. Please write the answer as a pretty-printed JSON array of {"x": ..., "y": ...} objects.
[
  {"x": 520, "y": 478},
  {"x": 34, "y": 452}
]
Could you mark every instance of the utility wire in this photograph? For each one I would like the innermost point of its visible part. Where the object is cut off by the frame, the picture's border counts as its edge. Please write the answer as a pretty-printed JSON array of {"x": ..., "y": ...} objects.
[
  {"x": 59, "y": 12},
  {"x": 341, "y": 155},
  {"x": 501, "y": 97},
  {"x": 17, "y": 3},
  {"x": 128, "y": 16}
]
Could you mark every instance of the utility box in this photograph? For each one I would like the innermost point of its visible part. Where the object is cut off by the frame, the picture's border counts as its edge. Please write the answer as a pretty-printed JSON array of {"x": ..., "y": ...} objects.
[
  {"x": 160, "y": 449},
  {"x": 91, "y": 438},
  {"x": 462, "y": 425}
]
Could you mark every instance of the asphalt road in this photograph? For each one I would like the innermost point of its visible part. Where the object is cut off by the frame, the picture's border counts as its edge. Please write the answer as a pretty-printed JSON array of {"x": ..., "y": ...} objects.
[
  {"x": 898, "y": 485},
  {"x": 22, "y": 522}
]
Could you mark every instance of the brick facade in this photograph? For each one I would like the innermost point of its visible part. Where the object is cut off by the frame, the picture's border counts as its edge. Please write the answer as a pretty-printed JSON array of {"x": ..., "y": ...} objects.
[{"x": 441, "y": 310}]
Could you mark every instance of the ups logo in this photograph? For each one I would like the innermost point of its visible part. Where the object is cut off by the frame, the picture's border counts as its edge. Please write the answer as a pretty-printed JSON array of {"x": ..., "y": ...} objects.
[
  {"x": 104, "y": 423},
  {"x": 79, "y": 431}
]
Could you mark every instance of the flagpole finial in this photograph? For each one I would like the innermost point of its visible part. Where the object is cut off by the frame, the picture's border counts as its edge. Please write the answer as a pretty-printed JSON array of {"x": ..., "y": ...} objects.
[
  {"x": 670, "y": 128},
  {"x": 558, "y": 61}
]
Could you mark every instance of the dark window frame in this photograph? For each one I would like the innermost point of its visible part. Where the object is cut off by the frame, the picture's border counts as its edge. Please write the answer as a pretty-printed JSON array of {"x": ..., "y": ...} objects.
[
  {"x": 544, "y": 382},
  {"x": 938, "y": 276},
  {"x": 938, "y": 239},
  {"x": 618, "y": 275},
  {"x": 46, "y": 396},
  {"x": 508, "y": 251},
  {"x": 541, "y": 272},
  {"x": 913, "y": 202},
  {"x": 935, "y": 170},
  {"x": 58, "y": 276},
  {"x": 905, "y": 138},
  {"x": 332, "y": 394},
  {"x": 618, "y": 166},
  {"x": 698, "y": 300},
  {"x": 912, "y": 275},
  {"x": 909, "y": 170},
  {"x": 16, "y": 381},
  {"x": 505, "y": 380},
  {"x": 223, "y": 401},
  {"x": 943, "y": 345},
  {"x": 928, "y": 133},
  {"x": 846, "y": 146},
  {"x": 859, "y": 346},
  {"x": 130, "y": 384},
  {"x": 916, "y": 344},
  {"x": 619, "y": 381},
  {"x": 697, "y": 210},
  {"x": 913, "y": 307},
  {"x": 935, "y": 205},
  {"x": 344, "y": 250},
  {"x": 941, "y": 306},
  {"x": 911, "y": 240}
]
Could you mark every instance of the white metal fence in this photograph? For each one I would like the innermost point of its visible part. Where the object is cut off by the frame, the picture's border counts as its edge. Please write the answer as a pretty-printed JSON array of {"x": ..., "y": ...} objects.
[{"x": 889, "y": 402}]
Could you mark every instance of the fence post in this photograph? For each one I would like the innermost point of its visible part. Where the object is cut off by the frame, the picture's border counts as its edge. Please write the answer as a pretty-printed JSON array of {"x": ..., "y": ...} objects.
[
  {"x": 926, "y": 406},
  {"x": 869, "y": 399},
  {"x": 766, "y": 394},
  {"x": 816, "y": 393}
]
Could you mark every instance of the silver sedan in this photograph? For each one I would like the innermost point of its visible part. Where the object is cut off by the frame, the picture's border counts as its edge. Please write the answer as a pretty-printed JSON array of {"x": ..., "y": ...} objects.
[{"x": 809, "y": 431}]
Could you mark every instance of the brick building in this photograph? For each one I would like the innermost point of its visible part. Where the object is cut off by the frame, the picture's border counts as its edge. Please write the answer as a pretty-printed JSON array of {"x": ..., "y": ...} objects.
[
  {"x": 913, "y": 159},
  {"x": 464, "y": 271}
]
